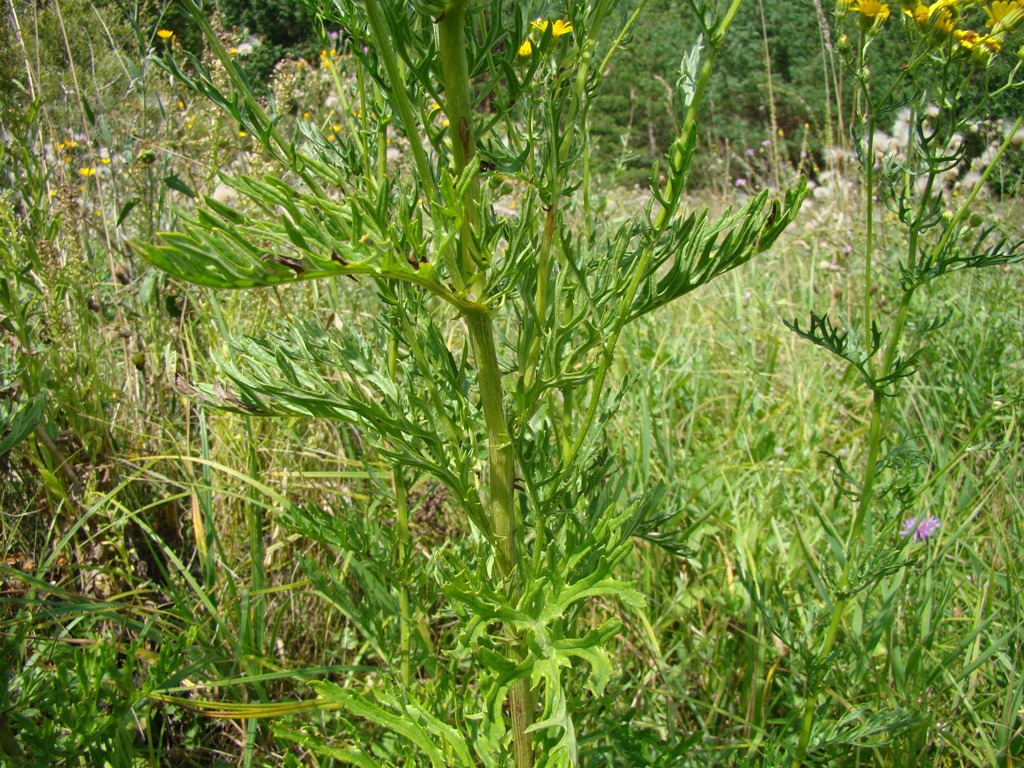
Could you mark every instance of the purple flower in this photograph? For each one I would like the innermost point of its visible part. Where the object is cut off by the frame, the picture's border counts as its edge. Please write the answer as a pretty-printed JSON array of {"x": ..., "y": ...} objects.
[
  {"x": 922, "y": 528},
  {"x": 750, "y": 151},
  {"x": 741, "y": 182},
  {"x": 766, "y": 143}
]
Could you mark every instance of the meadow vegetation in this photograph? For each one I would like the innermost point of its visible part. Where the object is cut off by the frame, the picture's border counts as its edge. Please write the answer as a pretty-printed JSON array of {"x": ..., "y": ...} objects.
[{"x": 258, "y": 527}]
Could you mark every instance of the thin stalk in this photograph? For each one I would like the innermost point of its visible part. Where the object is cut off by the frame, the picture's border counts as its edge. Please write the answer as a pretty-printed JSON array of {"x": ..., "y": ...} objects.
[
  {"x": 869, "y": 205},
  {"x": 859, "y": 527},
  {"x": 541, "y": 299},
  {"x": 773, "y": 115},
  {"x": 982, "y": 182},
  {"x": 622, "y": 34},
  {"x": 346, "y": 111},
  {"x": 254, "y": 514},
  {"x": 71, "y": 67},
  {"x": 672, "y": 195},
  {"x": 31, "y": 80},
  {"x": 402, "y": 509},
  {"x": 863, "y": 511},
  {"x": 404, "y": 547},
  {"x": 399, "y": 95},
  {"x": 677, "y": 181}
]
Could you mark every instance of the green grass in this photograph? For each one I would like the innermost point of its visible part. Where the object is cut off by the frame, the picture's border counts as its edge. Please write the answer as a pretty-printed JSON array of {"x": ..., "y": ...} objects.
[{"x": 157, "y": 606}]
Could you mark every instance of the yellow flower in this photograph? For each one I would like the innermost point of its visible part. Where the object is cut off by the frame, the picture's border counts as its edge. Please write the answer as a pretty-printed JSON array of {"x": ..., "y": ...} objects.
[
  {"x": 87, "y": 172},
  {"x": 105, "y": 160},
  {"x": 558, "y": 29},
  {"x": 871, "y": 9},
  {"x": 971, "y": 40},
  {"x": 163, "y": 34},
  {"x": 526, "y": 48},
  {"x": 938, "y": 17},
  {"x": 1004, "y": 15},
  {"x": 980, "y": 48}
]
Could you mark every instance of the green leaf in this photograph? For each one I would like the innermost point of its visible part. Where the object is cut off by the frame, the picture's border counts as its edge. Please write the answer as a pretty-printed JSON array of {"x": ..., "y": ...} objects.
[
  {"x": 174, "y": 182},
  {"x": 125, "y": 210},
  {"x": 350, "y": 755},
  {"x": 21, "y": 423},
  {"x": 442, "y": 744},
  {"x": 696, "y": 250},
  {"x": 89, "y": 114}
]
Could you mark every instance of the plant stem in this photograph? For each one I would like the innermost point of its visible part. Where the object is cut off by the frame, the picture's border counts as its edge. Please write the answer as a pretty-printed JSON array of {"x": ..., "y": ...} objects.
[
  {"x": 385, "y": 48},
  {"x": 501, "y": 511},
  {"x": 676, "y": 184},
  {"x": 404, "y": 544},
  {"x": 858, "y": 527},
  {"x": 451, "y": 30},
  {"x": 501, "y": 508}
]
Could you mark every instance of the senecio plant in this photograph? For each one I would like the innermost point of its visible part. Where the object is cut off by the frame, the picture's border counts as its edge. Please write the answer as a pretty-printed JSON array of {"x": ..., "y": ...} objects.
[
  {"x": 926, "y": 184},
  {"x": 489, "y": 366}
]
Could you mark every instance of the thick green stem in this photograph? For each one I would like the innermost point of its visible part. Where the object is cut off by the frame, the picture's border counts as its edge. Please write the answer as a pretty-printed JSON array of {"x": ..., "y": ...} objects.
[
  {"x": 501, "y": 509},
  {"x": 451, "y": 30},
  {"x": 499, "y": 447}
]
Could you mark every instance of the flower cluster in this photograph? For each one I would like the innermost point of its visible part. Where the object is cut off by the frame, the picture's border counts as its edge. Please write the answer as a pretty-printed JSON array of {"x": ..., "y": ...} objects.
[
  {"x": 541, "y": 27},
  {"x": 944, "y": 20}
]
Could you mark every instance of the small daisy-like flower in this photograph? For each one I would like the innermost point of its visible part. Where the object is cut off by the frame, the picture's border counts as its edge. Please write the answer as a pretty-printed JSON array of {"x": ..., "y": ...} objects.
[
  {"x": 87, "y": 172},
  {"x": 558, "y": 28},
  {"x": 526, "y": 48},
  {"x": 981, "y": 46},
  {"x": 871, "y": 9},
  {"x": 938, "y": 17},
  {"x": 921, "y": 528},
  {"x": 1004, "y": 15},
  {"x": 164, "y": 34}
]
